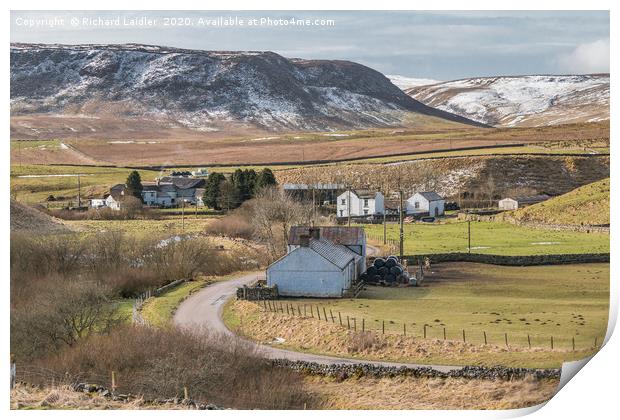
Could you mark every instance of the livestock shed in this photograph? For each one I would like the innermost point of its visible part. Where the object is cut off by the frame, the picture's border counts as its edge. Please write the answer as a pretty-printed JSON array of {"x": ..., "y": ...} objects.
[
  {"x": 317, "y": 268},
  {"x": 513, "y": 203}
]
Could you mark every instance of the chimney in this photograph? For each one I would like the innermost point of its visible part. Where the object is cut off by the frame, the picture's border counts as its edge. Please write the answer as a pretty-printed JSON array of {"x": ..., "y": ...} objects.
[
  {"x": 304, "y": 241},
  {"x": 315, "y": 233}
]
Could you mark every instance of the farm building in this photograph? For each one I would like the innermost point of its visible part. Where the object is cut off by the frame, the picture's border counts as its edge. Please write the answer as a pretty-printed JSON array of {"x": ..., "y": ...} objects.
[
  {"x": 353, "y": 238},
  {"x": 427, "y": 202},
  {"x": 359, "y": 203},
  {"x": 513, "y": 203},
  {"x": 315, "y": 268},
  {"x": 320, "y": 192}
]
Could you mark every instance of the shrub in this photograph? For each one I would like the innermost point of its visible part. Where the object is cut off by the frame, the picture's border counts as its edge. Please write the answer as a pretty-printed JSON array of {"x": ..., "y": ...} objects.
[{"x": 160, "y": 363}]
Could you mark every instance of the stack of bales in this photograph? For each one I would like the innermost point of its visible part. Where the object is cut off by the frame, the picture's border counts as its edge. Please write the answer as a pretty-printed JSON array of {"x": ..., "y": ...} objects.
[{"x": 385, "y": 271}]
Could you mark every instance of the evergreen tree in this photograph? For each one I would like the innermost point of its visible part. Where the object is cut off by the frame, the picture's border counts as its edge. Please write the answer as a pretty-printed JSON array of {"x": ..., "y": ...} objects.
[
  {"x": 265, "y": 179},
  {"x": 244, "y": 181},
  {"x": 212, "y": 190},
  {"x": 134, "y": 185}
]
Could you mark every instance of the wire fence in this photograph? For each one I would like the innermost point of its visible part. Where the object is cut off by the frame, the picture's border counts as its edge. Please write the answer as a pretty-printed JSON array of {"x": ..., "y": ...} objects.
[{"x": 436, "y": 331}]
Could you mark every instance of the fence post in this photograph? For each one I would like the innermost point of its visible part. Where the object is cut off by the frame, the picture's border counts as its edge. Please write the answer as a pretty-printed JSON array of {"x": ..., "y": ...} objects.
[
  {"x": 424, "y": 330},
  {"x": 331, "y": 314},
  {"x": 485, "y": 337},
  {"x": 305, "y": 313},
  {"x": 265, "y": 304},
  {"x": 324, "y": 314},
  {"x": 551, "y": 342},
  {"x": 595, "y": 341},
  {"x": 529, "y": 342},
  {"x": 287, "y": 309},
  {"x": 354, "y": 324},
  {"x": 298, "y": 311},
  {"x": 404, "y": 328},
  {"x": 363, "y": 325},
  {"x": 573, "y": 343},
  {"x": 318, "y": 313},
  {"x": 348, "y": 323},
  {"x": 340, "y": 318},
  {"x": 464, "y": 337},
  {"x": 311, "y": 311},
  {"x": 506, "y": 338},
  {"x": 113, "y": 381},
  {"x": 383, "y": 327},
  {"x": 444, "y": 333},
  {"x": 13, "y": 375},
  {"x": 185, "y": 393}
]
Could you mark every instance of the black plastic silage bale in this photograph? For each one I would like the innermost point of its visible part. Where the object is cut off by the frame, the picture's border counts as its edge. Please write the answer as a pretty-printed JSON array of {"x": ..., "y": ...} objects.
[
  {"x": 384, "y": 271},
  {"x": 371, "y": 271},
  {"x": 390, "y": 278},
  {"x": 396, "y": 270},
  {"x": 378, "y": 262}
]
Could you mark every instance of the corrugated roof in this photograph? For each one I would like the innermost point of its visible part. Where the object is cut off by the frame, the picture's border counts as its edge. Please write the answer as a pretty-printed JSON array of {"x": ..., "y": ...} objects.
[
  {"x": 339, "y": 235},
  {"x": 365, "y": 193},
  {"x": 431, "y": 195},
  {"x": 338, "y": 255}
]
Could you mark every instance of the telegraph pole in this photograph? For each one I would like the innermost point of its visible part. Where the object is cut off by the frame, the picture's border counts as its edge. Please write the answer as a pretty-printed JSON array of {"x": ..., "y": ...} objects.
[
  {"x": 469, "y": 236},
  {"x": 402, "y": 232},
  {"x": 79, "y": 200},
  {"x": 183, "y": 215},
  {"x": 349, "y": 206}
]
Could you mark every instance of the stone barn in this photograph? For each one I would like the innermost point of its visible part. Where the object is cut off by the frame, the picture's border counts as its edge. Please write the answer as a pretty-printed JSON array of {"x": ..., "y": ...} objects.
[
  {"x": 315, "y": 268},
  {"x": 514, "y": 203}
]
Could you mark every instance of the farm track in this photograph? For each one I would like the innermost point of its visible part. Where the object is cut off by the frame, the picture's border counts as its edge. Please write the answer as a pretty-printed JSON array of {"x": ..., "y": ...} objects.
[{"x": 203, "y": 311}]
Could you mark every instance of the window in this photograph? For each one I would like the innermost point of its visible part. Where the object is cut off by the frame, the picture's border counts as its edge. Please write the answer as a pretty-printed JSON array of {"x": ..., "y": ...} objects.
[
  {"x": 365, "y": 211},
  {"x": 417, "y": 205},
  {"x": 341, "y": 212},
  {"x": 343, "y": 201},
  {"x": 365, "y": 202}
]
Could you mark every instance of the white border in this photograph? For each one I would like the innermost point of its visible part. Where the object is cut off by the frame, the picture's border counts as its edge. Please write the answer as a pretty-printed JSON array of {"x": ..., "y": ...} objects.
[{"x": 593, "y": 394}]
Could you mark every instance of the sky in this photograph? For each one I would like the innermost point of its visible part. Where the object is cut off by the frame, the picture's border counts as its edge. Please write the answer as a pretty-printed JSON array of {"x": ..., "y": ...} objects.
[{"x": 438, "y": 45}]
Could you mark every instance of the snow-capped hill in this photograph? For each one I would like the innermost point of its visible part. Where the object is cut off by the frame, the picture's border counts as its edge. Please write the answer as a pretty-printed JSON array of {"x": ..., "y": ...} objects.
[
  {"x": 522, "y": 100},
  {"x": 404, "y": 82},
  {"x": 205, "y": 89}
]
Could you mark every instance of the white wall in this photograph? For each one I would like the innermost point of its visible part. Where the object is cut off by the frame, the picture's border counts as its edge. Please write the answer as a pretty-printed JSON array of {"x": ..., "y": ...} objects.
[
  {"x": 425, "y": 206},
  {"x": 357, "y": 206},
  {"x": 303, "y": 272},
  {"x": 508, "y": 204}
]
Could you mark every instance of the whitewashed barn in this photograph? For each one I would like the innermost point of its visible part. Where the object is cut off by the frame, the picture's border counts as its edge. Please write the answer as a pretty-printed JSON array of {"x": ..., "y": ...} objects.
[
  {"x": 513, "y": 203},
  {"x": 317, "y": 268},
  {"x": 427, "y": 202},
  {"x": 359, "y": 203}
]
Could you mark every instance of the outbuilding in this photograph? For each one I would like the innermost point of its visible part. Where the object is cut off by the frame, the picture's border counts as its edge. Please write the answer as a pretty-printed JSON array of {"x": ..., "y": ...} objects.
[
  {"x": 513, "y": 203},
  {"x": 316, "y": 268}
]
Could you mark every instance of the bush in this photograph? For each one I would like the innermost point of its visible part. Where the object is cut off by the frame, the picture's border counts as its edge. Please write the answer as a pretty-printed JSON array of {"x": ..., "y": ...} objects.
[{"x": 160, "y": 363}]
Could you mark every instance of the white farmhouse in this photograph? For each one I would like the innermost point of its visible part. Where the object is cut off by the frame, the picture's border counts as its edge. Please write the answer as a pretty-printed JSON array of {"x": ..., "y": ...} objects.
[
  {"x": 359, "y": 203},
  {"x": 427, "y": 202},
  {"x": 97, "y": 203}
]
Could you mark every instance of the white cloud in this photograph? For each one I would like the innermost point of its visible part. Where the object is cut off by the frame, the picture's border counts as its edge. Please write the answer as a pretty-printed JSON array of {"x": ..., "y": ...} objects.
[{"x": 592, "y": 57}]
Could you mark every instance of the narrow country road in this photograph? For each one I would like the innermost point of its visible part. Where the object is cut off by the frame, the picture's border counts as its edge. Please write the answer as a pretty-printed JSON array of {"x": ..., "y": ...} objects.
[{"x": 203, "y": 311}]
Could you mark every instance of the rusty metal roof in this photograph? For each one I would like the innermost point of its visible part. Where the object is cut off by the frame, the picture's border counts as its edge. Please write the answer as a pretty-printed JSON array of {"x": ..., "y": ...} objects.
[{"x": 339, "y": 235}]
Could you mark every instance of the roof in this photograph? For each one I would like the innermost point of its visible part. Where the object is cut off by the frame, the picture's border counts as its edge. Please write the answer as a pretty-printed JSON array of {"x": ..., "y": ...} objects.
[
  {"x": 431, "y": 195},
  {"x": 318, "y": 186},
  {"x": 339, "y": 235},
  {"x": 338, "y": 255},
  {"x": 529, "y": 198},
  {"x": 365, "y": 193},
  {"x": 183, "y": 183},
  {"x": 392, "y": 203}
]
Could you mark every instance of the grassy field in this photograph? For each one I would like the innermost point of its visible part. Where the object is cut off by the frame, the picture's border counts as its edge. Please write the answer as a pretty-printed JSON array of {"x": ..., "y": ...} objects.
[
  {"x": 543, "y": 301},
  {"x": 587, "y": 205},
  {"x": 139, "y": 227},
  {"x": 489, "y": 238}
]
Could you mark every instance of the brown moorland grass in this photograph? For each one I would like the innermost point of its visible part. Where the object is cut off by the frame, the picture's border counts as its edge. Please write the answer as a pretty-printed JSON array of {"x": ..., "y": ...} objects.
[
  {"x": 300, "y": 147},
  {"x": 405, "y": 393}
]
